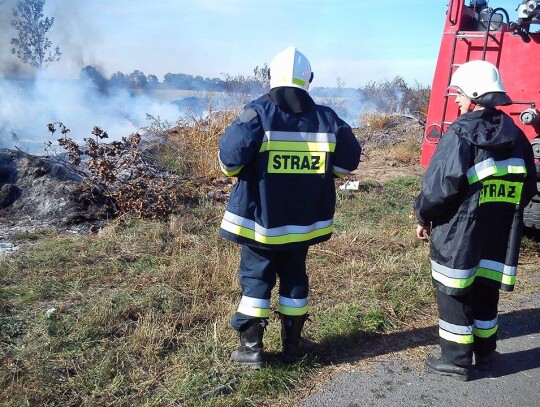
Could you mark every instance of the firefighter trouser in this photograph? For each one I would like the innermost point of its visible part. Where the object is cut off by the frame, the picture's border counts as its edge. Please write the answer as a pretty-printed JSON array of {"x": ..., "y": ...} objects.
[
  {"x": 258, "y": 273},
  {"x": 468, "y": 323}
]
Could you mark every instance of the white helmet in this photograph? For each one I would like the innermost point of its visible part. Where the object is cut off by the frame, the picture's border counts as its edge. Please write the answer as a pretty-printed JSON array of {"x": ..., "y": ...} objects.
[
  {"x": 481, "y": 82},
  {"x": 290, "y": 68}
]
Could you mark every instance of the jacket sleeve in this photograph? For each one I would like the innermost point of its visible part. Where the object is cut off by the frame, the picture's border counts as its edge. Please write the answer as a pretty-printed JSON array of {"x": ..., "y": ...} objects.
[
  {"x": 240, "y": 142},
  {"x": 347, "y": 153},
  {"x": 444, "y": 180}
]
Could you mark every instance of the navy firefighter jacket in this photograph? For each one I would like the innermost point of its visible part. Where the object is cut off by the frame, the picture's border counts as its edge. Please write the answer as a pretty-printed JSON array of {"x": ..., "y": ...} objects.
[
  {"x": 480, "y": 178},
  {"x": 285, "y": 151}
]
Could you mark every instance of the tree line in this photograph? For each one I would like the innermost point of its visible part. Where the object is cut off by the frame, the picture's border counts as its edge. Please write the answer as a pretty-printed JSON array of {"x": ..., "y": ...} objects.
[{"x": 256, "y": 83}]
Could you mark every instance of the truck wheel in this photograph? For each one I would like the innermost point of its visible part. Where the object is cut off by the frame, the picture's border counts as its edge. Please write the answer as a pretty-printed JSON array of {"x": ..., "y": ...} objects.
[{"x": 531, "y": 214}]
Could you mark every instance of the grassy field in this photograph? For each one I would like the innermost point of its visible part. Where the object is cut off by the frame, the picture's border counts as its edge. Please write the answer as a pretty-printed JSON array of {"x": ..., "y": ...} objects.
[{"x": 138, "y": 314}]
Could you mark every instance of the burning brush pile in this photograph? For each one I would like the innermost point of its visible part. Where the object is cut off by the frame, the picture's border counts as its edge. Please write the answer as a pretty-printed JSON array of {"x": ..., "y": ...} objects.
[{"x": 84, "y": 185}]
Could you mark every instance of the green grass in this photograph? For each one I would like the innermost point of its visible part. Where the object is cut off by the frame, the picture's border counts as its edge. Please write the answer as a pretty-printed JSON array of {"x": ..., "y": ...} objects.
[{"x": 143, "y": 308}]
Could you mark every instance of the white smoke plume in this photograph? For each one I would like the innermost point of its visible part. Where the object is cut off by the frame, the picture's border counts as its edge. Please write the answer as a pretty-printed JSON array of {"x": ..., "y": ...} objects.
[
  {"x": 27, "y": 106},
  {"x": 30, "y": 100}
]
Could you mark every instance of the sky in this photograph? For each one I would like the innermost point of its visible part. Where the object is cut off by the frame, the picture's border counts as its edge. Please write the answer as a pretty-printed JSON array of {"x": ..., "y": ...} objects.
[
  {"x": 348, "y": 42},
  {"x": 355, "y": 40}
]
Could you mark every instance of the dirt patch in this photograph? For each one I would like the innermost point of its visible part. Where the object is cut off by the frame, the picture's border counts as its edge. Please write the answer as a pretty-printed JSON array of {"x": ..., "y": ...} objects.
[{"x": 381, "y": 169}]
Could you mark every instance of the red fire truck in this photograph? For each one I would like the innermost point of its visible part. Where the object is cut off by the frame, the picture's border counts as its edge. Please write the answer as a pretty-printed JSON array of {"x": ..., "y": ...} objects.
[{"x": 477, "y": 31}]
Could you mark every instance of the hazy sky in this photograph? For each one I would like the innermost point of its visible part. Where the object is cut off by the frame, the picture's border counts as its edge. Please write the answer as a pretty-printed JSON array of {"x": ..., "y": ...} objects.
[{"x": 355, "y": 40}]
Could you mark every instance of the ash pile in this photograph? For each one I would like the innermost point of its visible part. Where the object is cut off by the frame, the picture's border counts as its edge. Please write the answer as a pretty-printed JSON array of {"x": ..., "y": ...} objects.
[{"x": 40, "y": 193}]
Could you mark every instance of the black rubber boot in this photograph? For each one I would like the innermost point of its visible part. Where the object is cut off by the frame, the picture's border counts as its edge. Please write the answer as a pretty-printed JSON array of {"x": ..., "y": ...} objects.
[
  {"x": 483, "y": 362},
  {"x": 439, "y": 366},
  {"x": 291, "y": 330},
  {"x": 250, "y": 351}
]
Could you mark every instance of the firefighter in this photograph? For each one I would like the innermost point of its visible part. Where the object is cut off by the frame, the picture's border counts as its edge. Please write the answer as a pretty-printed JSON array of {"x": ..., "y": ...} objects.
[
  {"x": 284, "y": 150},
  {"x": 474, "y": 190}
]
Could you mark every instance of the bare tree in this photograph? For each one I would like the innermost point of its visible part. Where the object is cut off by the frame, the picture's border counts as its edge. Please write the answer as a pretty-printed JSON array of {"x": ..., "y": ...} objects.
[
  {"x": 31, "y": 44},
  {"x": 262, "y": 76}
]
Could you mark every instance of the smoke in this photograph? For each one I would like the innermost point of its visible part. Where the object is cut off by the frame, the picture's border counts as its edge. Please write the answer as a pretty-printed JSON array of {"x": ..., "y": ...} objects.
[
  {"x": 8, "y": 63},
  {"x": 28, "y": 105},
  {"x": 30, "y": 99}
]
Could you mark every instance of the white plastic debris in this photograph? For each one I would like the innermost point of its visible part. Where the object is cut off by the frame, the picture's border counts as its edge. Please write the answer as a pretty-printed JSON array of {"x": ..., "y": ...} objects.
[
  {"x": 350, "y": 185},
  {"x": 51, "y": 312}
]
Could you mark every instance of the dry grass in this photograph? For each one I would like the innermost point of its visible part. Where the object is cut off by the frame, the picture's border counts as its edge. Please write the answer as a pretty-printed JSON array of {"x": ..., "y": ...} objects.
[
  {"x": 375, "y": 121},
  {"x": 391, "y": 136},
  {"x": 138, "y": 314},
  {"x": 142, "y": 308},
  {"x": 191, "y": 146}
]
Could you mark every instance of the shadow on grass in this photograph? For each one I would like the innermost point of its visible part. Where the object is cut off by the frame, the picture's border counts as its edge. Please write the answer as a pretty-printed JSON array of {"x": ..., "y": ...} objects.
[{"x": 361, "y": 345}]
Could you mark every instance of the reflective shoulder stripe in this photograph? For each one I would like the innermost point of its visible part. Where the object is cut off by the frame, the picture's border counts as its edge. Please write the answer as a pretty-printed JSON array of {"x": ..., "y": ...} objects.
[
  {"x": 490, "y": 167},
  {"x": 298, "y": 141},
  {"x": 274, "y": 236},
  {"x": 481, "y": 170}
]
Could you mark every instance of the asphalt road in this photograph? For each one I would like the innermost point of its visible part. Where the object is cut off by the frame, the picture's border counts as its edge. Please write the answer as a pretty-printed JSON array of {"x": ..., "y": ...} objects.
[{"x": 514, "y": 380}]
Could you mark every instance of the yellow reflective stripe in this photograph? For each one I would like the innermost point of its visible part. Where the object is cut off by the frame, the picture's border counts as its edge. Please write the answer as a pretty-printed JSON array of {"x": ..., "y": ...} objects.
[
  {"x": 485, "y": 333},
  {"x": 498, "y": 266},
  {"x": 462, "y": 278},
  {"x": 292, "y": 310},
  {"x": 476, "y": 177},
  {"x": 231, "y": 173},
  {"x": 495, "y": 190},
  {"x": 278, "y": 235},
  {"x": 253, "y": 311},
  {"x": 491, "y": 167},
  {"x": 517, "y": 169},
  {"x": 496, "y": 276},
  {"x": 461, "y": 339},
  {"x": 452, "y": 282},
  {"x": 282, "y": 239},
  {"x": 298, "y": 81},
  {"x": 273, "y": 145}
]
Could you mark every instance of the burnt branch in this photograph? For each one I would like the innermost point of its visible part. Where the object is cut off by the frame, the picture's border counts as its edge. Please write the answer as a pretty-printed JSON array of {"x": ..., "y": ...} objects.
[{"x": 119, "y": 175}]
